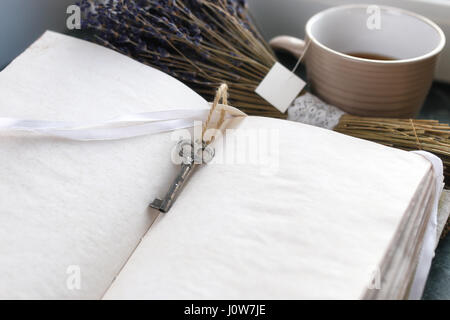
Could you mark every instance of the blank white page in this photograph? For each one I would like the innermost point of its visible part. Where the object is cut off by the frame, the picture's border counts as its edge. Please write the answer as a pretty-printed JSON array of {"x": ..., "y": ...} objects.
[
  {"x": 316, "y": 228},
  {"x": 78, "y": 208}
]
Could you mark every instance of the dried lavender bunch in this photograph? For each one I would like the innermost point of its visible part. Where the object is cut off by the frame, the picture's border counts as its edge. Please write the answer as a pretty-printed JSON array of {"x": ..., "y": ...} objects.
[{"x": 202, "y": 43}]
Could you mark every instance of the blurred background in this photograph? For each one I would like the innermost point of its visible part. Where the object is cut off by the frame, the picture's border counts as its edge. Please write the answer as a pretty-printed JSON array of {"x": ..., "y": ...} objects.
[
  {"x": 23, "y": 21},
  {"x": 290, "y": 16}
]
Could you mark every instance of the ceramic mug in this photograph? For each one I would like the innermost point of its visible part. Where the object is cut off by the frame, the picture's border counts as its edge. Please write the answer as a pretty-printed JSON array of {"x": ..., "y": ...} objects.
[{"x": 369, "y": 60}]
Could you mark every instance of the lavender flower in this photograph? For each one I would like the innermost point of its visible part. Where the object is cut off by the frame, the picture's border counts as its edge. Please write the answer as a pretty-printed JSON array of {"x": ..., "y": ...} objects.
[{"x": 201, "y": 42}]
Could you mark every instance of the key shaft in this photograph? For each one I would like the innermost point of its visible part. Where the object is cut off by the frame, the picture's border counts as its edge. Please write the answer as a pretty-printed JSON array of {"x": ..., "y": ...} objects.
[{"x": 166, "y": 203}]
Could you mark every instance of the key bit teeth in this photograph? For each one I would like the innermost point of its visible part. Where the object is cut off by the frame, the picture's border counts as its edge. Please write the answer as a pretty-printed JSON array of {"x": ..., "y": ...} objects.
[{"x": 156, "y": 204}]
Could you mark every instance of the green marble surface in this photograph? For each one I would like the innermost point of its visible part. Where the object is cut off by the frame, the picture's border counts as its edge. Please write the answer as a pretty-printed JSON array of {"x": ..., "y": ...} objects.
[{"x": 438, "y": 284}]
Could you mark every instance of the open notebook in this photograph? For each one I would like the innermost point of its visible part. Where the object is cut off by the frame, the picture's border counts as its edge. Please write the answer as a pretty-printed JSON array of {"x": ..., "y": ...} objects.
[{"x": 326, "y": 216}]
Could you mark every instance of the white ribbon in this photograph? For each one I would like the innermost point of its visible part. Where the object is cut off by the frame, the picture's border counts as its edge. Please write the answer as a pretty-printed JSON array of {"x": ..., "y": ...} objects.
[{"x": 126, "y": 126}]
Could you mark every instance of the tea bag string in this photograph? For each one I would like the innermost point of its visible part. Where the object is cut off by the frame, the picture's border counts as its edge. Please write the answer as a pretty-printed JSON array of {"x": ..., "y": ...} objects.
[{"x": 301, "y": 56}]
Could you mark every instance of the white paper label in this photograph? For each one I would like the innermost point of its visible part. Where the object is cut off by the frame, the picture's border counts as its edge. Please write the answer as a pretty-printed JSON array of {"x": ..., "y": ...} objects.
[{"x": 280, "y": 87}]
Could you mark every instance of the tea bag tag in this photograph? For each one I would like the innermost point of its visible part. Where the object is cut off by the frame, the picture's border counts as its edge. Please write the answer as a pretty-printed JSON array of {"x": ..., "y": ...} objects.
[{"x": 280, "y": 87}]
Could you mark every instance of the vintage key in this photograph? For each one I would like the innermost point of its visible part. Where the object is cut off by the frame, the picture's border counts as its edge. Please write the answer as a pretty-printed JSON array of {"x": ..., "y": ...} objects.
[{"x": 191, "y": 155}]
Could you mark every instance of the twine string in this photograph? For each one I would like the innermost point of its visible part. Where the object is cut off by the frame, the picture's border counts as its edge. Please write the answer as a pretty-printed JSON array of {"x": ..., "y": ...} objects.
[
  {"x": 221, "y": 96},
  {"x": 301, "y": 57}
]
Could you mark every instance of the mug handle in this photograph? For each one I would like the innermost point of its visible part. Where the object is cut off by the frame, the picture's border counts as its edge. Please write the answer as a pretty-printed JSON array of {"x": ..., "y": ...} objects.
[{"x": 293, "y": 45}]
